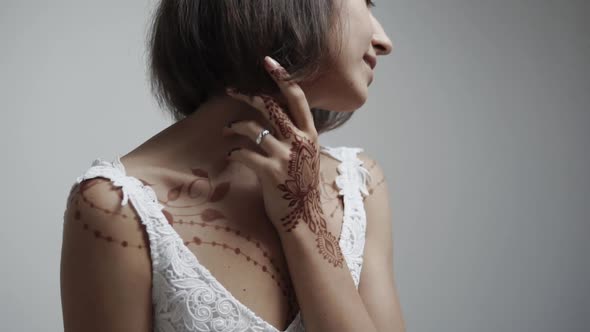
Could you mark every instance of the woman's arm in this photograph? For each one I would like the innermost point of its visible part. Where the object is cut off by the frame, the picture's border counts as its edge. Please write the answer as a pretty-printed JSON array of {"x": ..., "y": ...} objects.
[
  {"x": 105, "y": 277},
  {"x": 377, "y": 281},
  {"x": 289, "y": 174},
  {"x": 326, "y": 294}
]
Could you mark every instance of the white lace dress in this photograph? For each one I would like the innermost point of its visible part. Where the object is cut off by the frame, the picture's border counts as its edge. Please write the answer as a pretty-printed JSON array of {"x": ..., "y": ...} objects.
[{"x": 185, "y": 295}]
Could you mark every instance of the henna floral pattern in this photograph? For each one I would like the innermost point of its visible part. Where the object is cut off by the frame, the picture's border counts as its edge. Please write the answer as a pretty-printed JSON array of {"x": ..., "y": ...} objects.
[
  {"x": 301, "y": 188},
  {"x": 277, "y": 116}
]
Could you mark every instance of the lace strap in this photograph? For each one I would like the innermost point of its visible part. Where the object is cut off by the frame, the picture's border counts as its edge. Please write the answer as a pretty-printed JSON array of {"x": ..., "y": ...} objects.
[
  {"x": 352, "y": 183},
  {"x": 351, "y": 166},
  {"x": 143, "y": 198}
]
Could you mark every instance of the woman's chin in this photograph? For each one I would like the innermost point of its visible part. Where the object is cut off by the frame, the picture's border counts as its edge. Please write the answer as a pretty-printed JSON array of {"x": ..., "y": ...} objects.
[
  {"x": 351, "y": 106},
  {"x": 349, "y": 101}
]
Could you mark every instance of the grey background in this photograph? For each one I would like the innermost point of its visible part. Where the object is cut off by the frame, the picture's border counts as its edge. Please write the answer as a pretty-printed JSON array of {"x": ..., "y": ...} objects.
[{"x": 480, "y": 119}]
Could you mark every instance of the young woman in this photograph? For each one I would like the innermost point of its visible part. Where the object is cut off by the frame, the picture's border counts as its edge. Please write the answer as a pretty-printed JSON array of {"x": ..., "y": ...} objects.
[{"x": 239, "y": 220}]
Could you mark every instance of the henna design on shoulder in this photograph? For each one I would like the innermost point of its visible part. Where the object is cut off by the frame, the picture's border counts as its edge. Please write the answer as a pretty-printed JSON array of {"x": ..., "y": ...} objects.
[
  {"x": 208, "y": 215},
  {"x": 97, "y": 233},
  {"x": 379, "y": 182},
  {"x": 282, "y": 282}
]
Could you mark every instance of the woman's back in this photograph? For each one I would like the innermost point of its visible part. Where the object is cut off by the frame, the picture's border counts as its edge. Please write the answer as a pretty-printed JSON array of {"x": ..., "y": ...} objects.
[{"x": 221, "y": 263}]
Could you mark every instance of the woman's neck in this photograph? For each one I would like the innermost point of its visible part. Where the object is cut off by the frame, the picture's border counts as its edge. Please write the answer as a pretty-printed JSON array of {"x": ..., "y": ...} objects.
[{"x": 196, "y": 141}]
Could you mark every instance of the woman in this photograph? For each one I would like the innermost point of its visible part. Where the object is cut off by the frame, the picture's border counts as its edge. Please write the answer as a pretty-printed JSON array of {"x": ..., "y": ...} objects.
[{"x": 239, "y": 220}]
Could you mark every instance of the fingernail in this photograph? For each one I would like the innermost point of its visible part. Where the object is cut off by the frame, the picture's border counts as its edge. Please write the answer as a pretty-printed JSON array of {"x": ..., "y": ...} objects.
[
  {"x": 272, "y": 62},
  {"x": 232, "y": 150}
]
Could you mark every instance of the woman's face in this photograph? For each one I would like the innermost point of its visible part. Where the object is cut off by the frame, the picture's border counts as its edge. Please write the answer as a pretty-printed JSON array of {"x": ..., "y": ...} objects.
[{"x": 344, "y": 86}]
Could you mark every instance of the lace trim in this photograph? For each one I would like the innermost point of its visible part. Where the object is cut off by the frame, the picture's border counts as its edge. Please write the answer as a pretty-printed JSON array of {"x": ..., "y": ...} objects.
[
  {"x": 143, "y": 198},
  {"x": 186, "y": 296},
  {"x": 352, "y": 182}
]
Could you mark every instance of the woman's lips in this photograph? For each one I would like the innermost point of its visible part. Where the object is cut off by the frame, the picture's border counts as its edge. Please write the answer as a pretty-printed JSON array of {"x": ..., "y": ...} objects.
[{"x": 371, "y": 61}]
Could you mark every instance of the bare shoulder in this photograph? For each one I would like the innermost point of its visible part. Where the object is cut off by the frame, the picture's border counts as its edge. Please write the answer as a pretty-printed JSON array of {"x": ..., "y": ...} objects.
[
  {"x": 105, "y": 271},
  {"x": 377, "y": 285},
  {"x": 377, "y": 203},
  {"x": 378, "y": 178}
]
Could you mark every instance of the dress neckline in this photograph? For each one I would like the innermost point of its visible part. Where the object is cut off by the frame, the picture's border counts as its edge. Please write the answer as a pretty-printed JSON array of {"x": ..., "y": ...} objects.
[{"x": 118, "y": 164}]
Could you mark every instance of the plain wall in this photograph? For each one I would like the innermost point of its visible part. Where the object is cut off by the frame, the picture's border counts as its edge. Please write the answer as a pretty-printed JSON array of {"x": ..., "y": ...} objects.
[{"x": 480, "y": 118}]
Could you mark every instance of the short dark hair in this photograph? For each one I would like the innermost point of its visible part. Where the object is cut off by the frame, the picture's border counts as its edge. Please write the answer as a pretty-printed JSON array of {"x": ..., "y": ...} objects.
[{"x": 197, "y": 48}]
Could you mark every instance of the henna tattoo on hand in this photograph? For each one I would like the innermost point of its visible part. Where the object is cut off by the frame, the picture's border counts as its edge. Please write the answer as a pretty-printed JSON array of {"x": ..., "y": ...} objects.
[
  {"x": 276, "y": 115},
  {"x": 301, "y": 189}
]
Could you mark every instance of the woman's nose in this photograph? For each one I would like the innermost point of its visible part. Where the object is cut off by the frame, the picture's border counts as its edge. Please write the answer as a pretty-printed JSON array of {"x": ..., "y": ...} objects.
[{"x": 381, "y": 42}]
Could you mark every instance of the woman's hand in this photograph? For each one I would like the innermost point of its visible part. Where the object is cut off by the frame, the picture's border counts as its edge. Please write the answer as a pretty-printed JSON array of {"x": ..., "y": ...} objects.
[{"x": 290, "y": 173}]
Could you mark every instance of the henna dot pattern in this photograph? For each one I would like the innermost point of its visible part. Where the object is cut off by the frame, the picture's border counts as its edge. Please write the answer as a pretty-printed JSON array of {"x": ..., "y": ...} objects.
[
  {"x": 98, "y": 234},
  {"x": 220, "y": 234},
  {"x": 285, "y": 286},
  {"x": 238, "y": 251}
]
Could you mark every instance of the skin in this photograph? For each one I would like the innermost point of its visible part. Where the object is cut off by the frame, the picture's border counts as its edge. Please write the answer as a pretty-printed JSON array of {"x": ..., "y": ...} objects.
[
  {"x": 300, "y": 188},
  {"x": 206, "y": 196},
  {"x": 199, "y": 213},
  {"x": 242, "y": 241}
]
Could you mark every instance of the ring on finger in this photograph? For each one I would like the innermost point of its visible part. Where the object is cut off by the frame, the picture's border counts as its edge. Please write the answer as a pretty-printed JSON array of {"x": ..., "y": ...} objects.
[
  {"x": 261, "y": 135},
  {"x": 256, "y": 133}
]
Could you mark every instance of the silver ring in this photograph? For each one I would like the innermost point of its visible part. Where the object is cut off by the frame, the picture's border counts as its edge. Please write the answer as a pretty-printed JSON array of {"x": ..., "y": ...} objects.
[{"x": 261, "y": 135}]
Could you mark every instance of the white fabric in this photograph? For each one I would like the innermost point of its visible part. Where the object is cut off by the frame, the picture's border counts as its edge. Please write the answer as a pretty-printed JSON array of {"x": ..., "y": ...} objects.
[{"x": 185, "y": 295}]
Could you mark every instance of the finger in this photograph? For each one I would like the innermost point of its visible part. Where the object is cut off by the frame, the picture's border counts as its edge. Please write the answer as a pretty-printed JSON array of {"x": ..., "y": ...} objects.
[
  {"x": 253, "y": 160},
  {"x": 252, "y": 129},
  {"x": 281, "y": 124},
  {"x": 296, "y": 99}
]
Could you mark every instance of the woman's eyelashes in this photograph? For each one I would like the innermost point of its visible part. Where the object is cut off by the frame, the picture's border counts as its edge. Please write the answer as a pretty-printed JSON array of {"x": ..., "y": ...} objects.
[{"x": 370, "y": 3}]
